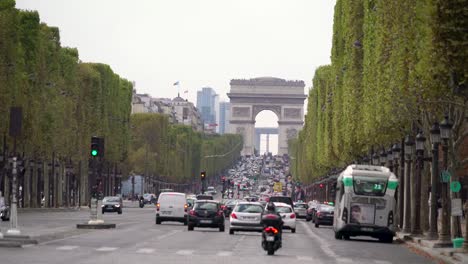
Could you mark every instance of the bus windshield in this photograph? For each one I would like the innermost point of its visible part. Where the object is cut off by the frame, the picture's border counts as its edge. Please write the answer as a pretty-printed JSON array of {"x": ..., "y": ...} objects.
[{"x": 369, "y": 185}]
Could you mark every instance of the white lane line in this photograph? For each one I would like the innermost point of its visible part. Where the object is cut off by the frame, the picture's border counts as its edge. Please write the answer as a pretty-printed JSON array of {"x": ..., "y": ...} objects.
[
  {"x": 305, "y": 258},
  {"x": 185, "y": 252},
  {"x": 173, "y": 232},
  {"x": 382, "y": 262},
  {"x": 345, "y": 260},
  {"x": 224, "y": 254},
  {"x": 67, "y": 247},
  {"x": 145, "y": 250},
  {"x": 106, "y": 249},
  {"x": 324, "y": 244}
]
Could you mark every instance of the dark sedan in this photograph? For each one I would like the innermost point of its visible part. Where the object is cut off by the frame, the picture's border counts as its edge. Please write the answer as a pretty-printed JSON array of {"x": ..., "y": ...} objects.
[
  {"x": 112, "y": 204},
  {"x": 324, "y": 215},
  {"x": 206, "y": 213},
  {"x": 230, "y": 204}
]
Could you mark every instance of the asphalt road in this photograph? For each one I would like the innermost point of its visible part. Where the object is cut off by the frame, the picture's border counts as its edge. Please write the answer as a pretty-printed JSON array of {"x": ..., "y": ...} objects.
[{"x": 138, "y": 240}]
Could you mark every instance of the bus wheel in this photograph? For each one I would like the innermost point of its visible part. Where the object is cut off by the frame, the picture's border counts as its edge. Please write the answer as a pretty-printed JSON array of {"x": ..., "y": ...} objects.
[{"x": 338, "y": 235}]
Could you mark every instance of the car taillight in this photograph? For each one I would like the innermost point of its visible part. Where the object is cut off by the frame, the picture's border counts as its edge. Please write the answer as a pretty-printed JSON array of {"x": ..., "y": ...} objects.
[
  {"x": 344, "y": 217},
  {"x": 233, "y": 215},
  {"x": 293, "y": 216},
  {"x": 157, "y": 206},
  {"x": 390, "y": 218},
  {"x": 192, "y": 212},
  {"x": 185, "y": 207},
  {"x": 319, "y": 214},
  {"x": 271, "y": 229}
]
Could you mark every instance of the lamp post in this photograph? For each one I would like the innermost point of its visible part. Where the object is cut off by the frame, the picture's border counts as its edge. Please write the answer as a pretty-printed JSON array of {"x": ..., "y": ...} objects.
[
  {"x": 445, "y": 133},
  {"x": 375, "y": 159},
  {"x": 383, "y": 157},
  {"x": 390, "y": 158},
  {"x": 416, "y": 209},
  {"x": 396, "y": 156},
  {"x": 409, "y": 149},
  {"x": 435, "y": 140}
]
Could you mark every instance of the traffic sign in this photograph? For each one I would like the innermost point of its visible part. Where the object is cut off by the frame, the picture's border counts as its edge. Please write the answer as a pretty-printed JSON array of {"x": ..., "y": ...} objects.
[
  {"x": 278, "y": 187},
  {"x": 455, "y": 186},
  {"x": 445, "y": 176}
]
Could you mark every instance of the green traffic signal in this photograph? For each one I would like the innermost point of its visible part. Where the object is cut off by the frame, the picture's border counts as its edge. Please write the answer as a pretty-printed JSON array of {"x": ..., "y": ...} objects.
[{"x": 94, "y": 152}]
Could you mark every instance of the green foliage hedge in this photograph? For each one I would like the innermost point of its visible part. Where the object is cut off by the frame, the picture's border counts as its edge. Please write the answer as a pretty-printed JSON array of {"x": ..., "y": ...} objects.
[{"x": 391, "y": 67}]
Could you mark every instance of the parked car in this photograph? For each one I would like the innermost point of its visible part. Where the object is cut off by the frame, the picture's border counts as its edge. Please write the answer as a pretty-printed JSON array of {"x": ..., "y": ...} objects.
[
  {"x": 206, "y": 213},
  {"x": 112, "y": 204},
  {"x": 171, "y": 206},
  {"x": 324, "y": 215},
  {"x": 246, "y": 216},
  {"x": 287, "y": 213},
  {"x": 301, "y": 209}
]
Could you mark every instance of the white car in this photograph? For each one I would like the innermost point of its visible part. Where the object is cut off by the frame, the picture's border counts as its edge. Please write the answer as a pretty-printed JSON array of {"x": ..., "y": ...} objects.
[
  {"x": 171, "y": 206},
  {"x": 288, "y": 215},
  {"x": 246, "y": 216}
]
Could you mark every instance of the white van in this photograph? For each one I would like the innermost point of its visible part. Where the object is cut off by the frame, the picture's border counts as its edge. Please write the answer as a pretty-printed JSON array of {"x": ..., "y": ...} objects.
[
  {"x": 365, "y": 203},
  {"x": 171, "y": 206}
]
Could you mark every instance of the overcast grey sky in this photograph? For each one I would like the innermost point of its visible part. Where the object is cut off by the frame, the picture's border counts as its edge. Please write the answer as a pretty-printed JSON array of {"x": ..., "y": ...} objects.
[{"x": 197, "y": 42}]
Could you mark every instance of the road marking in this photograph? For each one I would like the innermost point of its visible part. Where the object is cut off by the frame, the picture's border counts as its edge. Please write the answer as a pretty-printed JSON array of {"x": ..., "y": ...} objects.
[
  {"x": 145, "y": 250},
  {"x": 324, "y": 245},
  {"x": 173, "y": 232},
  {"x": 345, "y": 260},
  {"x": 67, "y": 247},
  {"x": 304, "y": 258},
  {"x": 106, "y": 249},
  {"x": 185, "y": 252},
  {"x": 382, "y": 262},
  {"x": 224, "y": 254}
]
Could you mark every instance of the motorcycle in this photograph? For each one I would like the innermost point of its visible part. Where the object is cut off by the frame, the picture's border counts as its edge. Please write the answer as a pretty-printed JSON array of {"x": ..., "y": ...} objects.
[
  {"x": 271, "y": 239},
  {"x": 5, "y": 213},
  {"x": 142, "y": 203}
]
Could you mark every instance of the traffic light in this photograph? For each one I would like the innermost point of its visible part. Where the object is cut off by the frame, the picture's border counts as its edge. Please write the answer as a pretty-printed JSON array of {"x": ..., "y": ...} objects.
[
  {"x": 97, "y": 147},
  {"x": 321, "y": 185},
  {"x": 203, "y": 175}
]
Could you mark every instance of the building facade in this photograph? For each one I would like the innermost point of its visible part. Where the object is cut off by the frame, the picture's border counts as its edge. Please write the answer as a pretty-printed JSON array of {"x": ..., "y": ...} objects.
[
  {"x": 207, "y": 105},
  {"x": 224, "y": 117}
]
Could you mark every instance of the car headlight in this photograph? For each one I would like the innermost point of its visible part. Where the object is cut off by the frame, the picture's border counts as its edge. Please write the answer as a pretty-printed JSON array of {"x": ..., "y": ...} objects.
[
  {"x": 102, "y": 205},
  {"x": 117, "y": 205}
]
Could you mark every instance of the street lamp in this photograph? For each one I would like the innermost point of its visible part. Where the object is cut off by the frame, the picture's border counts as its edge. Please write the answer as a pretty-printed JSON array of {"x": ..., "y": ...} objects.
[
  {"x": 375, "y": 159},
  {"x": 383, "y": 157},
  {"x": 396, "y": 156},
  {"x": 445, "y": 133},
  {"x": 416, "y": 212},
  {"x": 435, "y": 140},
  {"x": 409, "y": 150}
]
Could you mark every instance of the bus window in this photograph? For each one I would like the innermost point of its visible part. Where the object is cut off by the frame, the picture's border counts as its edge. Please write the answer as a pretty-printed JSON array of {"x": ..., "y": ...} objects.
[{"x": 368, "y": 185}]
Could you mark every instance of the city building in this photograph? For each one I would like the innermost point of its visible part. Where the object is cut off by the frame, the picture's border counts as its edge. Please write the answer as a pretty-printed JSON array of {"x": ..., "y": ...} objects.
[
  {"x": 207, "y": 103},
  {"x": 224, "y": 117},
  {"x": 186, "y": 113}
]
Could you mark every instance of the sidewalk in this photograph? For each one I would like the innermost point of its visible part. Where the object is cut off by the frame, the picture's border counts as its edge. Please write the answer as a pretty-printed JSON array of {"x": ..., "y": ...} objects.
[{"x": 430, "y": 247}]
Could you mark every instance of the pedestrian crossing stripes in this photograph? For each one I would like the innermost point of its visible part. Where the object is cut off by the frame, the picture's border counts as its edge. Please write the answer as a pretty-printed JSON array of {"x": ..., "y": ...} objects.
[
  {"x": 224, "y": 254},
  {"x": 105, "y": 249},
  {"x": 67, "y": 247}
]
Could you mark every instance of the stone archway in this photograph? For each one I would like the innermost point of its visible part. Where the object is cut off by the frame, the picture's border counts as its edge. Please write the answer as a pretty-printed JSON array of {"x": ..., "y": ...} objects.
[{"x": 250, "y": 97}]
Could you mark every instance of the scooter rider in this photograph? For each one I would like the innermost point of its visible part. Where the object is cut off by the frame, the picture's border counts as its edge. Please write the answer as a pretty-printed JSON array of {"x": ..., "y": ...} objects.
[{"x": 276, "y": 222}]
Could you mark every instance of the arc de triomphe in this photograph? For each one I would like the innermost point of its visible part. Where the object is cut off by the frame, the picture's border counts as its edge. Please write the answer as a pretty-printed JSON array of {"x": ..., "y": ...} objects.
[{"x": 282, "y": 97}]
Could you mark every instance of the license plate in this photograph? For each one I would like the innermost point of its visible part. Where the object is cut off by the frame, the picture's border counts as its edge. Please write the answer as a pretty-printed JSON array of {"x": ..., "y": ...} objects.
[
  {"x": 166, "y": 212},
  {"x": 367, "y": 229},
  {"x": 205, "y": 221},
  {"x": 270, "y": 238},
  {"x": 250, "y": 218}
]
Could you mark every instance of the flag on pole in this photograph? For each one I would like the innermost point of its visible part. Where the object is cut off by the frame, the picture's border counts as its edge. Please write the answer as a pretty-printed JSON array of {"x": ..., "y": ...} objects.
[{"x": 176, "y": 83}]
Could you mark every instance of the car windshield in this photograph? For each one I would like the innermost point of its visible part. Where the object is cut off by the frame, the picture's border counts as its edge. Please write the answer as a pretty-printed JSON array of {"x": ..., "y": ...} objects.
[
  {"x": 369, "y": 185},
  {"x": 303, "y": 206},
  {"x": 283, "y": 209},
  {"x": 249, "y": 208},
  {"x": 326, "y": 208},
  {"x": 111, "y": 199},
  {"x": 206, "y": 206}
]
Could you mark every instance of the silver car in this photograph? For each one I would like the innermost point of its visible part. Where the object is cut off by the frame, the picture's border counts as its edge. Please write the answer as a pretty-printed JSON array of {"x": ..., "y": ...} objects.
[
  {"x": 301, "y": 209},
  {"x": 246, "y": 216}
]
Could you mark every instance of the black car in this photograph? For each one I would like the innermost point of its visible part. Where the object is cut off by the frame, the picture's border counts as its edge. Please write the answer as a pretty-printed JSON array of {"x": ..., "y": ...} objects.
[
  {"x": 4, "y": 212},
  {"x": 204, "y": 197},
  {"x": 206, "y": 213},
  {"x": 112, "y": 204},
  {"x": 324, "y": 215},
  {"x": 230, "y": 204}
]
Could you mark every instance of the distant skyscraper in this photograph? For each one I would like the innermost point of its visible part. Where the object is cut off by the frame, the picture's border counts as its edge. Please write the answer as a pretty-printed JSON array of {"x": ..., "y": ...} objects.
[
  {"x": 224, "y": 117},
  {"x": 207, "y": 104}
]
